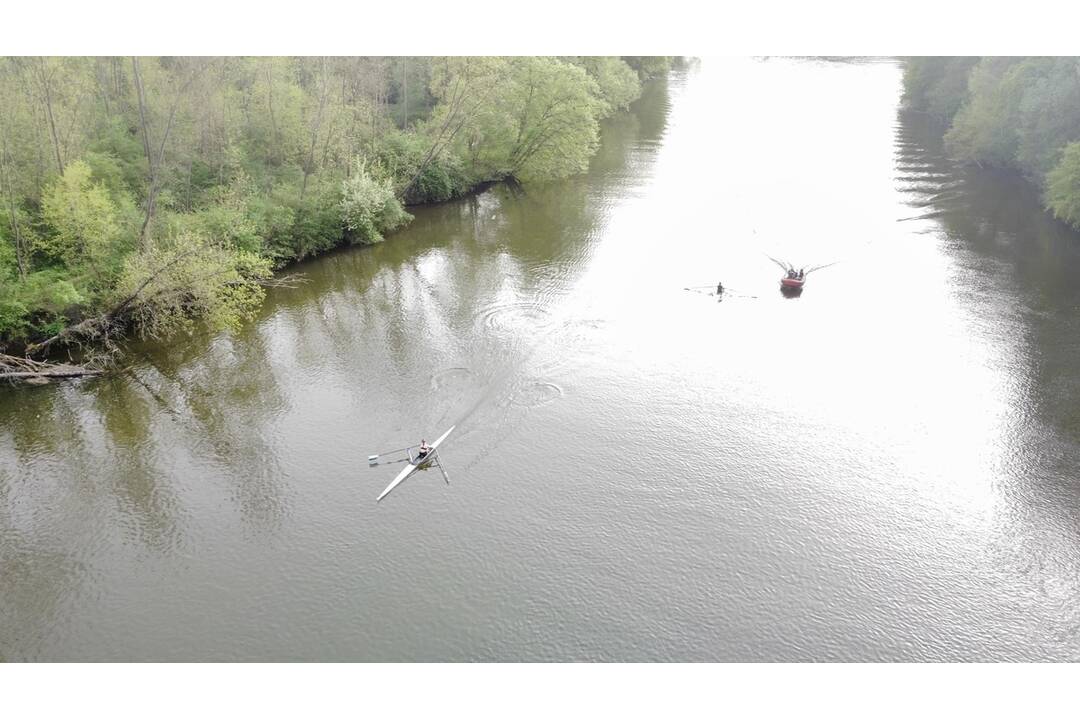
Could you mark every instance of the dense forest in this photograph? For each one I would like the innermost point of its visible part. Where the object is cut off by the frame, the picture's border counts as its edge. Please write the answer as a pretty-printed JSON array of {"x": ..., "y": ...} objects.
[
  {"x": 1021, "y": 113},
  {"x": 153, "y": 193}
]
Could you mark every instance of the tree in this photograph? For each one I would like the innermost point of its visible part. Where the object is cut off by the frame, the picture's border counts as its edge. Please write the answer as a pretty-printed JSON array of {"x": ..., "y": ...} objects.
[
  {"x": 1049, "y": 116},
  {"x": 116, "y": 172},
  {"x": 547, "y": 127},
  {"x": 985, "y": 129},
  {"x": 44, "y": 70},
  {"x": 1063, "y": 186},
  {"x": 156, "y": 142},
  {"x": 463, "y": 88},
  {"x": 617, "y": 84},
  {"x": 164, "y": 290},
  {"x": 86, "y": 232},
  {"x": 167, "y": 288},
  {"x": 648, "y": 66},
  {"x": 937, "y": 85},
  {"x": 316, "y": 113},
  {"x": 19, "y": 244}
]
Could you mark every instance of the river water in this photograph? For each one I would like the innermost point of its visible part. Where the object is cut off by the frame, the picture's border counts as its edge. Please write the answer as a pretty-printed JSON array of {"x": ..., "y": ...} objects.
[{"x": 883, "y": 468}]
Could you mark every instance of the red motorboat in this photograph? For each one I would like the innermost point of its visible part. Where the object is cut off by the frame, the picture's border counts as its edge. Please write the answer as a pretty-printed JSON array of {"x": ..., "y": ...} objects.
[{"x": 792, "y": 283}]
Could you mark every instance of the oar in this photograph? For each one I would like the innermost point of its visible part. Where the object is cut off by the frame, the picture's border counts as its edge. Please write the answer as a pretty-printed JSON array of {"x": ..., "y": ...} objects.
[
  {"x": 821, "y": 267},
  {"x": 735, "y": 292},
  {"x": 783, "y": 265},
  {"x": 438, "y": 462},
  {"x": 373, "y": 458}
]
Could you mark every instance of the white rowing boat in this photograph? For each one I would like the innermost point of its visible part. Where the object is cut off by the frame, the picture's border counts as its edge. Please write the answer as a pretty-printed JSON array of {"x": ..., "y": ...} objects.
[{"x": 415, "y": 463}]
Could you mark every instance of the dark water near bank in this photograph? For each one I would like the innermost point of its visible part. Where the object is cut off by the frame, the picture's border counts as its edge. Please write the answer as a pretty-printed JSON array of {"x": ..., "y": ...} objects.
[{"x": 884, "y": 468}]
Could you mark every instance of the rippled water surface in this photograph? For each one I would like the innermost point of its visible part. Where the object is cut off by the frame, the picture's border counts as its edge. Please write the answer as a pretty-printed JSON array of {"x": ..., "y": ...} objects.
[{"x": 884, "y": 468}]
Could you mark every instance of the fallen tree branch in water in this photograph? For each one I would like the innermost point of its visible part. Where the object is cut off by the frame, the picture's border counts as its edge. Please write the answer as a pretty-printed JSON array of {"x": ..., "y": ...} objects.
[
  {"x": 100, "y": 325},
  {"x": 18, "y": 369},
  {"x": 286, "y": 281}
]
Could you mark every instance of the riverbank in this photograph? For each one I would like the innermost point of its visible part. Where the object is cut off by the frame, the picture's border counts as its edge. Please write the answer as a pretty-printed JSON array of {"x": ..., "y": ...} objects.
[
  {"x": 192, "y": 180},
  {"x": 221, "y": 486},
  {"x": 1019, "y": 113}
]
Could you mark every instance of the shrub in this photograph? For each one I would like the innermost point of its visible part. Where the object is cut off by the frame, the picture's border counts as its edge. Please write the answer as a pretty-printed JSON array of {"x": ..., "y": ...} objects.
[
  {"x": 316, "y": 227},
  {"x": 36, "y": 304},
  {"x": 369, "y": 207},
  {"x": 1063, "y": 186},
  {"x": 400, "y": 155},
  {"x": 192, "y": 278}
]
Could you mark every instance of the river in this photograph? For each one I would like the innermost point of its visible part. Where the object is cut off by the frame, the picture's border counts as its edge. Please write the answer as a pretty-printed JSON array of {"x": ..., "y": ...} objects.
[{"x": 883, "y": 468}]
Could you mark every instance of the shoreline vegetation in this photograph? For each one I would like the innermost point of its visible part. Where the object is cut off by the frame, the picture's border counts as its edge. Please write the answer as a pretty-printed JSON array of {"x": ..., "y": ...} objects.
[
  {"x": 1016, "y": 113},
  {"x": 145, "y": 195}
]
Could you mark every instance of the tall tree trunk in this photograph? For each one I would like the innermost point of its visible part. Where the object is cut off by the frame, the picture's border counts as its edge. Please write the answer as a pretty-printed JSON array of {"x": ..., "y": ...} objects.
[
  {"x": 276, "y": 145},
  {"x": 46, "y": 85},
  {"x": 374, "y": 111},
  {"x": 102, "y": 80},
  {"x": 309, "y": 165},
  {"x": 13, "y": 219},
  {"x": 151, "y": 193},
  {"x": 154, "y": 161},
  {"x": 116, "y": 77},
  {"x": 71, "y": 125}
]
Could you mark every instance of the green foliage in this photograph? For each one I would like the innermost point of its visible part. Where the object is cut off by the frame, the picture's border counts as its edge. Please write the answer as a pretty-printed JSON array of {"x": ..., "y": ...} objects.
[
  {"x": 51, "y": 292},
  {"x": 314, "y": 225},
  {"x": 439, "y": 180},
  {"x": 555, "y": 116},
  {"x": 369, "y": 207},
  {"x": 227, "y": 218},
  {"x": 38, "y": 303},
  {"x": 278, "y": 226},
  {"x": 420, "y": 100},
  {"x": 402, "y": 157},
  {"x": 13, "y": 315},
  {"x": 105, "y": 169},
  {"x": 192, "y": 278},
  {"x": 85, "y": 223},
  {"x": 541, "y": 123},
  {"x": 111, "y": 164},
  {"x": 1063, "y": 186},
  {"x": 9, "y": 252},
  {"x": 649, "y": 66},
  {"x": 1021, "y": 113},
  {"x": 275, "y": 218},
  {"x": 985, "y": 130},
  {"x": 8, "y": 261},
  {"x": 116, "y": 157},
  {"x": 937, "y": 85},
  {"x": 617, "y": 84},
  {"x": 1049, "y": 115}
]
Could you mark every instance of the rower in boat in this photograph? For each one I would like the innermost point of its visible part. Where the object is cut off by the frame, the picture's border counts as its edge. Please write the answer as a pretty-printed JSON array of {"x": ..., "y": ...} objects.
[{"x": 427, "y": 455}]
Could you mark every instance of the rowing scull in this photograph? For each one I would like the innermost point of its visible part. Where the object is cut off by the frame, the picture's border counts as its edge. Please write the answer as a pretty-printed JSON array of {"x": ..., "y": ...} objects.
[{"x": 415, "y": 464}]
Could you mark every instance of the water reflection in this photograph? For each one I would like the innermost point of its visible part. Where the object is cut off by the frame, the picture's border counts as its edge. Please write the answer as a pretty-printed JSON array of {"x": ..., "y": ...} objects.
[
  {"x": 879, "y": 470},
  {"x": 144, "y": 459},
  {"x": 1015, "y": 268}
]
